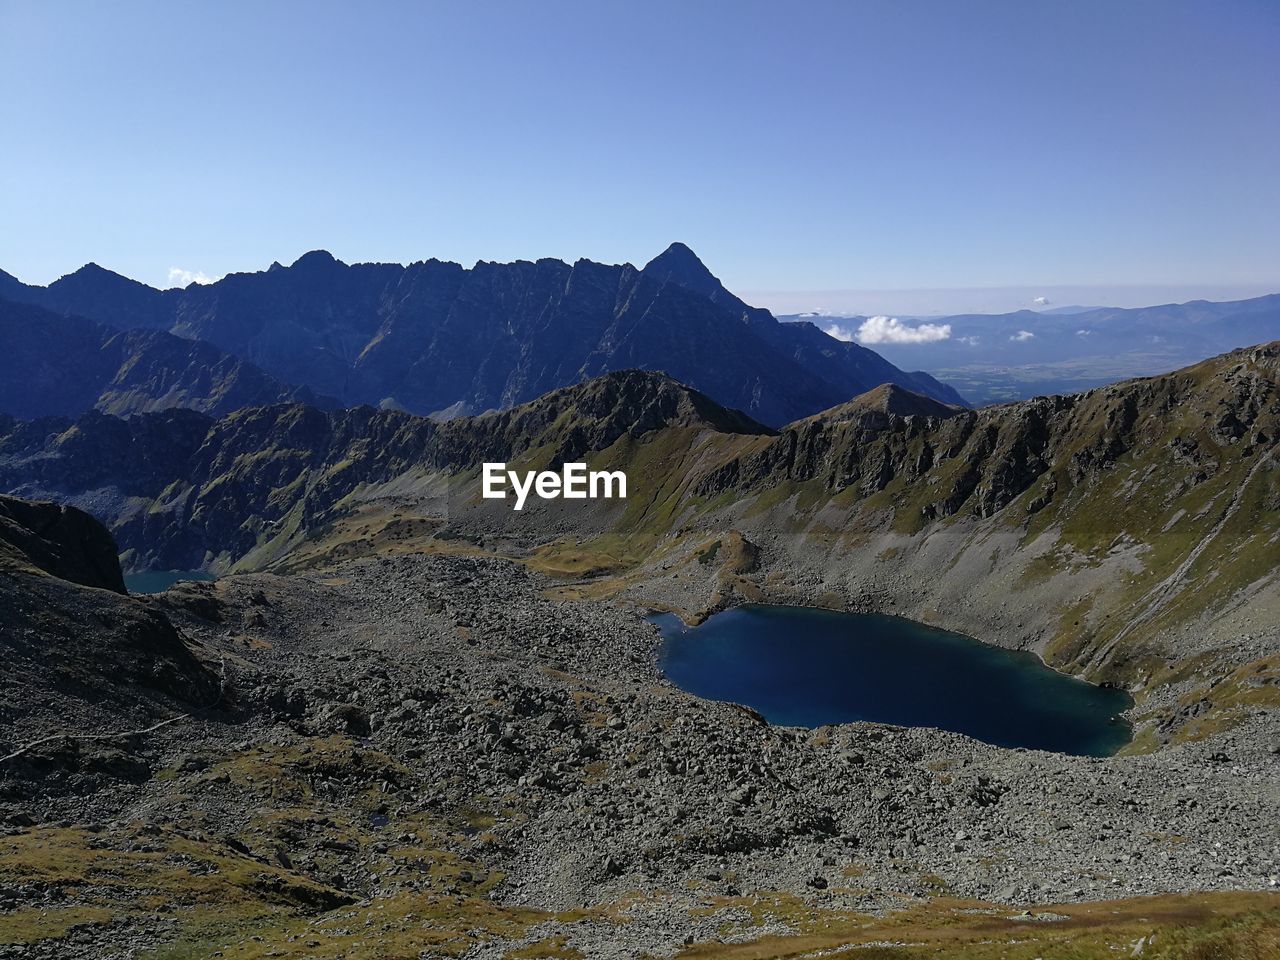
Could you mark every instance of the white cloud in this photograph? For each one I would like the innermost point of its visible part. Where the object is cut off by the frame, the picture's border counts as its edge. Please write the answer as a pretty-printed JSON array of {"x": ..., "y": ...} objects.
[
  {"x": 1022, "y": 336},
  {"x": 1083, "y": 333},
  {"x": 969, "y": 341},
  {"x": 1041, "y": 301},
  {"x": 892, "y": 330},
  {"x": 179, "y": 277}
]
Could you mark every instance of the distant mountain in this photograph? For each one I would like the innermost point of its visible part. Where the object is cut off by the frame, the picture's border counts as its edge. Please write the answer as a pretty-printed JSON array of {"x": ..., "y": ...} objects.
[
  {"x": 436, "y": 338},
  {"x": 179, "y": 489},
  {"x": 61, "y": 365},
  {"x": 1110, "y": 531},
  {"x": 97, "y": 293},
  {"x": 1014, "y": 356},
  {"x": 887, "y": 399},
  {"x": 1068, "y": 310}
]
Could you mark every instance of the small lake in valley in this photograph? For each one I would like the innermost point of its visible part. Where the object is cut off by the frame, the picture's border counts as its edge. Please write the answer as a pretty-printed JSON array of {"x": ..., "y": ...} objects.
[
  {"x": 803, "y": 667},
  {"x": 158, "y": 581}
]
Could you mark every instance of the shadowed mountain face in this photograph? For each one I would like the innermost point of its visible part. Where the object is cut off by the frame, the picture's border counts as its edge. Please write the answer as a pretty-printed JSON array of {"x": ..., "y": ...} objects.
[
  {"x": 60, "y": 541},
  {"x": 1121, "y": 533},
  {"x": 435, "y": 338},
  {"x": 53, "y": 365},
  {"x": 75, "y": 646},
  {"x": 1018, "y": 504},
  {"x": 229, "y": 485}
]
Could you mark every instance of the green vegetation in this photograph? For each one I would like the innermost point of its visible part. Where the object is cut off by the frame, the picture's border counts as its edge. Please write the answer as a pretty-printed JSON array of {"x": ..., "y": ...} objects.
[
  {"x": 234, "y": 895},
  {"x": 1138, "y": 510},
  {"x": 1176, "y": 927}
]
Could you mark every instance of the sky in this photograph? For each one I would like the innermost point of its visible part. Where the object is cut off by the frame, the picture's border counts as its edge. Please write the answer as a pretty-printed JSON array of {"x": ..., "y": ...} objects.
[{"x": 853, "y": 156}]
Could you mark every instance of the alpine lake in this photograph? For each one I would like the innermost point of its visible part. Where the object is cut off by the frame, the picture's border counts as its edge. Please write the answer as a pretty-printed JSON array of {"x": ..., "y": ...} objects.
[{"x": 802, "y": 667}]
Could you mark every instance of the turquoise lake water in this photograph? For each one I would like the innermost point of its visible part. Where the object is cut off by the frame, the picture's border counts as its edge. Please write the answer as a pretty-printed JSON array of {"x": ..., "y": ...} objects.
[{"x": 804, "y": 667}]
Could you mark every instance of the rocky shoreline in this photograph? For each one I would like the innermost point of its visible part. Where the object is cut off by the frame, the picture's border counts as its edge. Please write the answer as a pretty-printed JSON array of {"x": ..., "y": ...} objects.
[{"x": 388, "y": 705}]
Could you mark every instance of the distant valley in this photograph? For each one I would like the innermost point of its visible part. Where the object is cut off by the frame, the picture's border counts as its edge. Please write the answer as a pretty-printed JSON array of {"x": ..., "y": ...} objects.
[{"x": 994, "y": 358}]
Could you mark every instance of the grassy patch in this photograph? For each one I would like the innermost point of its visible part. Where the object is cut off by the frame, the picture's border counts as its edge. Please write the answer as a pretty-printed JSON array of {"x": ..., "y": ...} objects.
[
  {"x": 33, "y": 924},
  {"x": 1227, "y": 926}
]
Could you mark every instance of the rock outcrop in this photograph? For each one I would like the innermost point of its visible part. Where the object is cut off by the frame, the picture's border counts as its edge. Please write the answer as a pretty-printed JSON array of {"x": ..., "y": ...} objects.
[
  {"x": 78, "y": 652},
  {"x": 60, "y": 541}
]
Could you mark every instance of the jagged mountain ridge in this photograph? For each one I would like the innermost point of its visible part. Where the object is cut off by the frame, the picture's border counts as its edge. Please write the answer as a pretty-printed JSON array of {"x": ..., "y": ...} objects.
[
  {"x": 1097, "y": 529},
  {"x": 939, "y": 460},
  {"x": 437, "y": 338},
  {"x": 177, "y": 487},
  {"x": 54, "y": 365},
  {"x": 982, "y": 461}
]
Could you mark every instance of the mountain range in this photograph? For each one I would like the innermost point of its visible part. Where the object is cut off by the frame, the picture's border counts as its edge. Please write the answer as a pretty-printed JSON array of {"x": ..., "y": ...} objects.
[
  {"x": 383, "y": 756},
  {"x": 436, "y": 338},
  {"x": 55, "y": 365},
  {"x": 994, "y": 358},
  {"x": 1106, "y": 528},
  {"x": 401, "y": 706}
]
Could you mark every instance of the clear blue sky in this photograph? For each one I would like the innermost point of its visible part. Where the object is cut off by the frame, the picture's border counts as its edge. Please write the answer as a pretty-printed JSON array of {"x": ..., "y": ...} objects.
[{"x": 799, "y": 147}]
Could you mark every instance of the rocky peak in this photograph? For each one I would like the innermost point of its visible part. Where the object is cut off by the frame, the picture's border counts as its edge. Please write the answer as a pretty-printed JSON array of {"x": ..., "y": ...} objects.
[
  {"x": 96, "y": 276},
  {"x": 680, "y": 265},
  {"x": 102, "y": 295},
  {"x": 316, "y": 260},
  {"x": 645, "y": 400},
  {"x": 91, "y": 269},
  {"x": 889, "y": 398}
]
